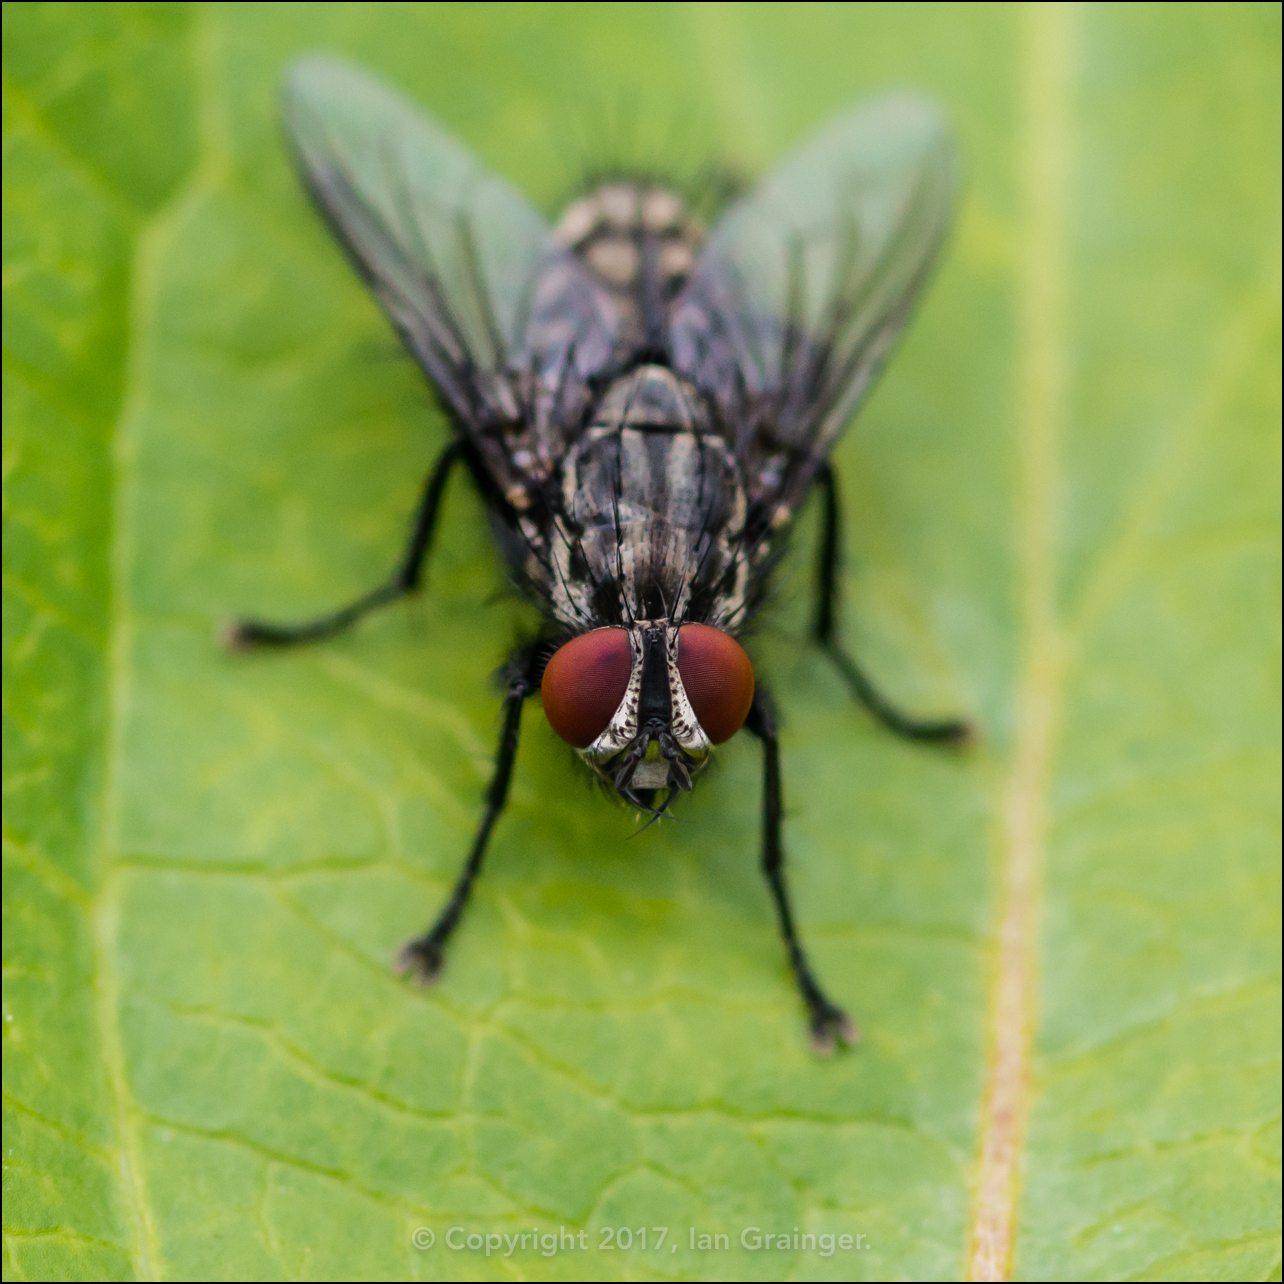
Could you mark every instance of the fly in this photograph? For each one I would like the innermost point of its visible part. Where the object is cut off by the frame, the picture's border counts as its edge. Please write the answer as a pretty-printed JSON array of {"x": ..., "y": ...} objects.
[{"x": 644, "y": 410}]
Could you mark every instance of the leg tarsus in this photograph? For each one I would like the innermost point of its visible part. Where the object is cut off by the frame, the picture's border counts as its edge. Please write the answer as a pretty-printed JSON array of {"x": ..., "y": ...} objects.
[
  {"x": 241, "y": 635},
  {"x": 948, "y": 731},
  {"x": 245, "y": 635},
  {"x": 829, "y": 1024},
  {"x": 424, "y": 956},
  {"x": 422, "y": 960}
]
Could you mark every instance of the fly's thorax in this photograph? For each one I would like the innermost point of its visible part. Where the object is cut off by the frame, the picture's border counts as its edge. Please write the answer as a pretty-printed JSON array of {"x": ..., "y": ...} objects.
[
  {"x": 688, "y": 687},
  {"x": 652, "y": 511},
  {"x": 652, "y": 397}
]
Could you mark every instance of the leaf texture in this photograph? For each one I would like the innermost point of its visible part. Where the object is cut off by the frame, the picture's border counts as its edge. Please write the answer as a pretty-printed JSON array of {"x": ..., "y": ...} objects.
[{"x": 1064, "y": 499}]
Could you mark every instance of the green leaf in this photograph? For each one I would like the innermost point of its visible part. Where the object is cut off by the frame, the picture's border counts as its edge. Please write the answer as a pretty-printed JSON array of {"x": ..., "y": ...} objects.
[{"x": 1063, "y": 949}]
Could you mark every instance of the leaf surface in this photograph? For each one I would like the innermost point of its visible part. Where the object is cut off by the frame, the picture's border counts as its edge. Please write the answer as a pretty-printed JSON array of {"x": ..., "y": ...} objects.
[{"x": 1064, "y": 510}]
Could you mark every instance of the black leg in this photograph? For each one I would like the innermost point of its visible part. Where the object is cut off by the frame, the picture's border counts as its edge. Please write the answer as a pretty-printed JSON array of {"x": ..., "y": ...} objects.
[
  {"x": 950, "y": 731},
  {"x": 829, "y": 1023},
  {"x": 241, "y": 634},
  {"x": 423, "y": 956}
]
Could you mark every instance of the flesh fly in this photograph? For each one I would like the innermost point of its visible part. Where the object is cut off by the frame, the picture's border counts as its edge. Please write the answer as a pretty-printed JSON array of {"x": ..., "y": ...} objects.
[{"x": 644, "y": 409}]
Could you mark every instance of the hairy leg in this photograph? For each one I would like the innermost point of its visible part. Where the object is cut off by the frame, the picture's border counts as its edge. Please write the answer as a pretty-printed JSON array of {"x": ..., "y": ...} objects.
[
  {"x": 950, "y": 731},
  {"x": 829, "y": 1023},
  {"x": 424, "y": 955},
  {"x": 242, "y": 634}
]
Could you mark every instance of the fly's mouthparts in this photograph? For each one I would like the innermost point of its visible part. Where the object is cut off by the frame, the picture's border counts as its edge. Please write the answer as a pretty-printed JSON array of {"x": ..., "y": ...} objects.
[
  {"x": 679, "y": 776},
  {"x": 657, "y": 756},
  {"x": 624, "y": 776}
]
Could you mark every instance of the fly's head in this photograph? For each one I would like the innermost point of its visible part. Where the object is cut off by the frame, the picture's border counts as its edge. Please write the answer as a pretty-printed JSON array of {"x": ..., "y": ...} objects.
[{"x": 645, "y": 705}]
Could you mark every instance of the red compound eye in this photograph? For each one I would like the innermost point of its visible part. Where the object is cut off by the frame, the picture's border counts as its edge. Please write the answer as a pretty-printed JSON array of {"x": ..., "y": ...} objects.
[
  {"x": 718, "y": 677},
  {"x": 584, "y": 684}
]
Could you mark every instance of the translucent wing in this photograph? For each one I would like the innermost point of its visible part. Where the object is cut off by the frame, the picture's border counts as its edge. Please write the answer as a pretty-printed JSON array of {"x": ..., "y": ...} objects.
[
  {"x": 803, "y": 287},
  {"x": 505, "y": 321}
]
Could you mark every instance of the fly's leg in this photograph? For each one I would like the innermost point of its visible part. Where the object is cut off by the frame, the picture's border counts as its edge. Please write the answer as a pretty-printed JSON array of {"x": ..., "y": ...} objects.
[
  {"x": 829, "y": 1023},
  {"x": 241, "y": 634},
  {"x": 423, "y": 956},
  {"x": 952, "y": 731}
]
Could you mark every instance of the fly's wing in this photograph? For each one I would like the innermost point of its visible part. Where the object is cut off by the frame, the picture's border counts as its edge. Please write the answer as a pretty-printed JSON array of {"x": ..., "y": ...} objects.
[
  {"x": 506, "y": 322},
  {"x": 804, "y": 286}
]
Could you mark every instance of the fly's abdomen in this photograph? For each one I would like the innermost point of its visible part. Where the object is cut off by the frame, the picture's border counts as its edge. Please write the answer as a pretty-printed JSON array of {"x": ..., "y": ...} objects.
[{"x": 640, "y": 243}]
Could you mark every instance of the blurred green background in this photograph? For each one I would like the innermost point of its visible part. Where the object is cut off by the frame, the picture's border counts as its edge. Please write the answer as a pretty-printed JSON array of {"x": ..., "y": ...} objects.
[{"x": 1064, "y": 507}]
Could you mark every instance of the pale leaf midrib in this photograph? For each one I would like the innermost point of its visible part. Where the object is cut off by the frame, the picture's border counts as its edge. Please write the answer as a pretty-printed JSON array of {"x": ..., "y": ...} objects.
[{"x": 1022, "y": 807}]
